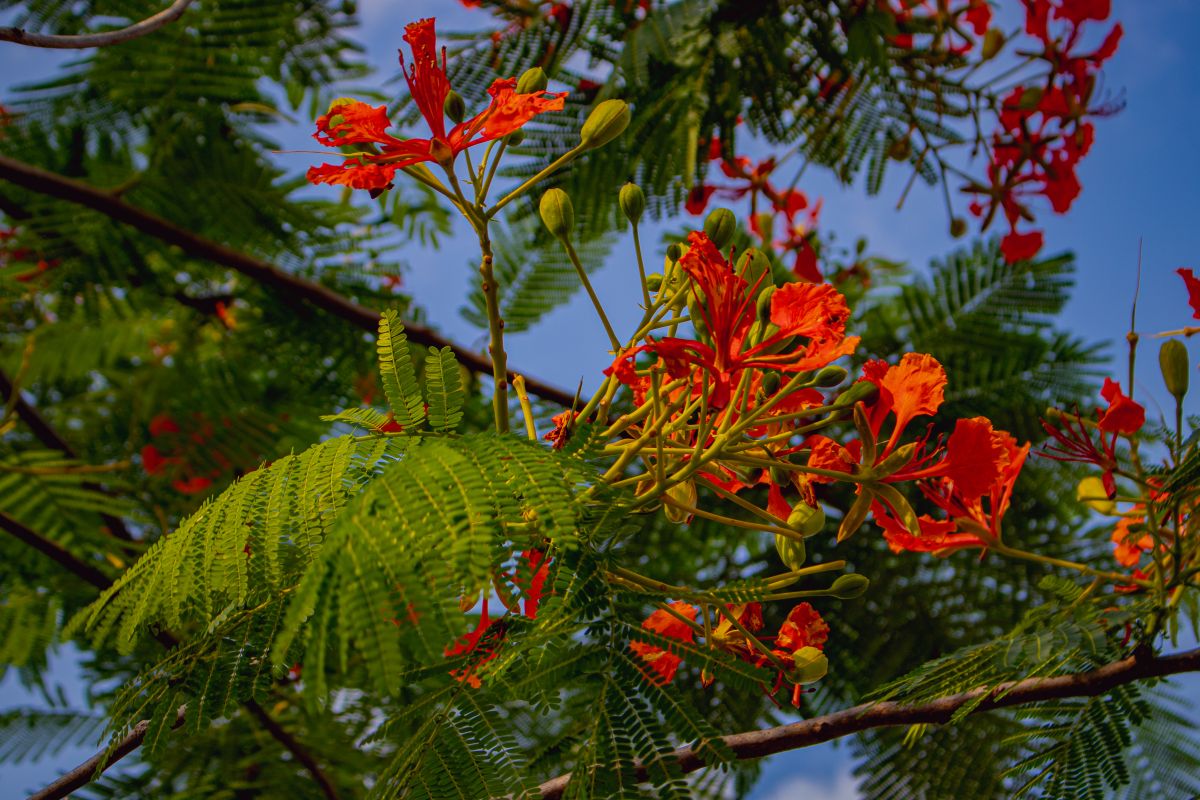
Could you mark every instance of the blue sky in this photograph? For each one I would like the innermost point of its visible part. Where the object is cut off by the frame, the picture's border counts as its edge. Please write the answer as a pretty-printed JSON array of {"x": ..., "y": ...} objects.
[{"x": 1141, "y": 182}]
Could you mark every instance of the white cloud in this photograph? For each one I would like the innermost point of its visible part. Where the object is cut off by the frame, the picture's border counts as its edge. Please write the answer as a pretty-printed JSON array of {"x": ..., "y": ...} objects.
[{"x": 842, "y": 787}]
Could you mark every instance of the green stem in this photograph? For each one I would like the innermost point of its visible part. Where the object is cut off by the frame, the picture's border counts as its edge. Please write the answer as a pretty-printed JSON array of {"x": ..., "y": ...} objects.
[
  {"x": 558, "y": 163},
  {"x": 587, "y": 284}
]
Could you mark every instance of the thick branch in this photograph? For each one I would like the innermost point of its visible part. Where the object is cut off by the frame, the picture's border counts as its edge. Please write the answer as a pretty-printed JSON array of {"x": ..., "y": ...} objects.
[
  {"x": 56, "y": 552},
  {"x": 83, "y": 41},
  {"x": 52, "y": 185},
  {"x": 756, "y": 744}
]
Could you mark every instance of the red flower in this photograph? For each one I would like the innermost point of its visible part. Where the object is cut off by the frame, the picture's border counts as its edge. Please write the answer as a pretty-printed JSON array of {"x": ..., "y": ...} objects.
[
  {"x": 192, "y": 485},
  {"x": 813, "y": 312},
  {"x": 802, "y": 628},
  {"x": 352, "y": 122},
  {"x": 483, "y": 643},
  {"x": 664, "y": 663},
  {"x": 1193, "y": 290},
  {"x": 1020, "y": 246},
  {"x": 1123, "y": 415},
  {"x": 937, "y": 536}
]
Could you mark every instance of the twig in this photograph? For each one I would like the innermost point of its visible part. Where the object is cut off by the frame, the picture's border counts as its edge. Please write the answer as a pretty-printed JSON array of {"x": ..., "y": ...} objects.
[
  {"x": 756, "y": 744},
  {"x": 52, "y": 185},
  {"x": 84, "y": 41},
  {"x": 83, "y": 774}
]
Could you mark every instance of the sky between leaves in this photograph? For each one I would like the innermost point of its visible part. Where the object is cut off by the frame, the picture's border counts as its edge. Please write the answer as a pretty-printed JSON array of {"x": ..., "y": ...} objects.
[{"x": 1141, "y": 181}]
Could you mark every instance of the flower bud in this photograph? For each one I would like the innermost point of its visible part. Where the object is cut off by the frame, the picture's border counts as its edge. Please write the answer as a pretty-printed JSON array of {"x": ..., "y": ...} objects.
[
  {"x": 830, "y": 376},
  {"x": 770, "y": 383},
  {"x": 755, "y": 270},
  {"x": 791, "y": 551},
  {"x": 532, "y": 80},
  {"x": 515, "y": 138},
  {"x": 848, "y": 587},
  {"x": 993, "y": 41},
  {"x": 806, "y": 520},
  {"x": 900, "y": 149},
  {"x": 607, "y": 121},
  {"x": 958, "y": 227},
  {"x": 674, "y": 252},
  {"x": 654, "y": 281},
  {"x": 762, "y": 305},
  {"x": 720, "y": 227},
  {"x": 862, "y": 390},
  {"x": 455, "y": 107},
  {"x": 557, "y": 213},
  {"x": 633, "y": 202},
  {"x": 811, "y": 665},
  {"x": 1173, "y": 361},
  {"x": 1091, "y": 492},
  {"x": 684, "y": 493}
]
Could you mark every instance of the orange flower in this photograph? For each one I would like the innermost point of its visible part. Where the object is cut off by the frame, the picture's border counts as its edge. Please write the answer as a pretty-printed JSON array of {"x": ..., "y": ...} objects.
[
  {"x": 802, "y": 628},
  {"x": 914, "y": 387},
  {"x": 1128, "y": 546},
  {"x": 663, "y": 662},
  {"x": 351, "y": 122}
]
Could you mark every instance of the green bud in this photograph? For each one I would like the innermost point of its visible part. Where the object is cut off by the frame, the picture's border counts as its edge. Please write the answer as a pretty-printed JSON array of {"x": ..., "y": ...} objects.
[
  {"x": 674, "y": 251},
  {"x": 720, "y": 227},
  {"x": 762, "y": 304},
  {"x": 1173, "y": 361},
  {"x": 848, "y": 587},
  {"x": 533, "y": 80},
  {"x": 898, "y": 459},
  {"x": 455, "y": 107},
  {"x": 811, "y": 665},
  {"x": 558, "y": 213},
  {"x": 864, "y": 391},
  {"x": 958, "y": 227},
  {"x": 993, "y": 41},
  {"x": 684, "y": 493},
  {"x": 515, "y": 138},
  {"x": 695, "y": 305},
  {"x": 770, "y": 383},
  {"x": 1092, "y": 493},
  {"x": 830, "y": 376},
  {"x": 633, "y": 202},
  {"x": 654, "y": 281},
  {"x": 806, "y": 520},
  {"x": 791, "y": 551},
  {"x": 607, "y": 121},
  {"x": 755, "y": 270}
]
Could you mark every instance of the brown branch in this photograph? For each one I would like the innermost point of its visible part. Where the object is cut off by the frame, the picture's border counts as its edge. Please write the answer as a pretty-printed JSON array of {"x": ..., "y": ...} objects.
[
  {"x": 287, "y": 740},
  {"x": 103, "y": 39},
  {"x": 50, "y": 184},
  {"x": 56, "y": 552},
  {"x": 756, "y": 744},
  {"x": 83, "y": 774},
  {"x": 49, "y": 437}
]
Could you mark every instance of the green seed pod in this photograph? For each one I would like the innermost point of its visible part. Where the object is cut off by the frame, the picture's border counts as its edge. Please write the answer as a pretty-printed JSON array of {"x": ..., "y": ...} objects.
[
  {"x": 993, "y": 41},
  {"x": 806, "y": 520},
  {"x": 720, "y": 227},
  {"x": 811, "y": 666},
  {"x": 1173, "y": 361},
  {"x": 755, "y": 269},
  {"x": 607, "y": 121},
  {"x": 830, "y": 376},
  {"x": 515, "y": 138},
  {"x": 557, "y": 213},
  {"x": 455, "y": 107},
  {"x": 848, "y": 587},
  {"x": 791, "y": 551},
  {"x": 654, "y": 281},
  {"x": 958, "y": 227},
  {"x": 532, "y": 80},
  {"x": 633, "y": 202}
]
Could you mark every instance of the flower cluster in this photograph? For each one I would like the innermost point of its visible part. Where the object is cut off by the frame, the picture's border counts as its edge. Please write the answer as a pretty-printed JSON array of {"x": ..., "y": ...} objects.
[{"x": 1045, "y": 128}]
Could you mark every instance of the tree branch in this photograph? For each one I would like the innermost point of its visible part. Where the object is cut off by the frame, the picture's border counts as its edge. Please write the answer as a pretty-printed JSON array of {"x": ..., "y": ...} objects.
[
  {"x": 104, "y": 39},
  {"x": 49, "y": 437},
  {"x": 56, "y": 552},
  {"x": 756, "y": 744},
  {"x": 50, "y": 184}
]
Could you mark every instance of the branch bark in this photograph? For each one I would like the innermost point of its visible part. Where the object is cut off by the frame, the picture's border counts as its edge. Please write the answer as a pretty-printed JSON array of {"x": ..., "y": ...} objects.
[
  {"x": 103, "y": 39},
  {"x": 756, "y": 744},
  {"x": 52, "y": 185}
]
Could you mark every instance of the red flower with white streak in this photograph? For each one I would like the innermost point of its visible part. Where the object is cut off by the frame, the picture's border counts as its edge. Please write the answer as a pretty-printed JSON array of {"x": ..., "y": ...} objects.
[{"x": 350, "y": 122}]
